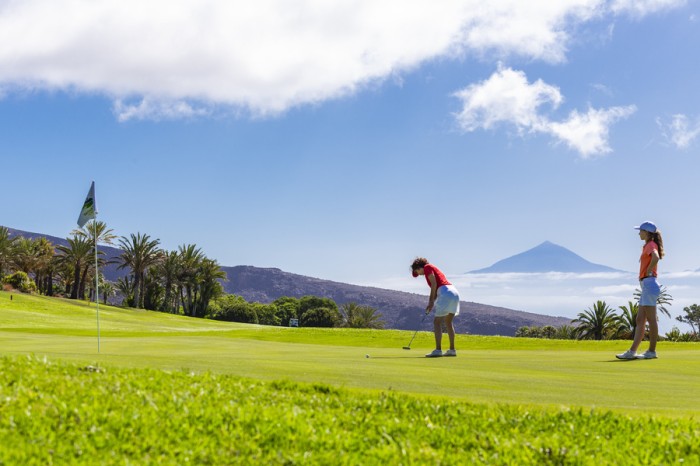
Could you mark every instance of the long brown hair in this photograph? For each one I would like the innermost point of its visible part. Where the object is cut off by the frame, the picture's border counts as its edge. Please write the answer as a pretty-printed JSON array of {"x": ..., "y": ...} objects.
[{"x": 656, "y": 237}]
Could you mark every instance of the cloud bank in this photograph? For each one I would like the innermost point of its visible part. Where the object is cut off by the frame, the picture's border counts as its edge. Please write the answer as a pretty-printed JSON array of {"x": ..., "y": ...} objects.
[
  {"x": 185, "y": 58},
  {"x": 508, "y": 98}
]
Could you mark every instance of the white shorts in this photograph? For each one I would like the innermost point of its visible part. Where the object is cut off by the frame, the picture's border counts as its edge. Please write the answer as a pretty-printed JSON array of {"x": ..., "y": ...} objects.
[
  {"x": 650, "y": 291},
  {"x": 447, "y": 301}
]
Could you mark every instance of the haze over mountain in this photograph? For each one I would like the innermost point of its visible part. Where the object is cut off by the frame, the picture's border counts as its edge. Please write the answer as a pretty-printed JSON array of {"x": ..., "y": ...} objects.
[
  {"x": 546, "y": 257},
  {"x": 399, "y": 309}
]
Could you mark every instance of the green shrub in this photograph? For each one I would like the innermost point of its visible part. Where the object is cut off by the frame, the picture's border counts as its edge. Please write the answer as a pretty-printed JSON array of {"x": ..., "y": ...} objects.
[
  {"x": 267, "y": 314},
  {"x": 20, "y": 281},
  {"x": 232, "y": 308},
  {"x": 319, "y": 317}
]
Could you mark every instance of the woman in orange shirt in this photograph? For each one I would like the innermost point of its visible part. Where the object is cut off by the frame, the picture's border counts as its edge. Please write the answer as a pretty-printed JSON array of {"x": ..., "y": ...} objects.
[{"x": 652, "y": 252}]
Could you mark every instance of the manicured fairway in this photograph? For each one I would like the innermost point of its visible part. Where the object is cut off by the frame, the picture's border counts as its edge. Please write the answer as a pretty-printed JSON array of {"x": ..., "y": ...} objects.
[{"x": 487, "y": 370}]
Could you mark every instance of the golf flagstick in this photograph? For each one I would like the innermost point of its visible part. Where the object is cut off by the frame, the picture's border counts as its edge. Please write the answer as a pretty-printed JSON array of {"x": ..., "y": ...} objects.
[{"x": 416, "y": 332}]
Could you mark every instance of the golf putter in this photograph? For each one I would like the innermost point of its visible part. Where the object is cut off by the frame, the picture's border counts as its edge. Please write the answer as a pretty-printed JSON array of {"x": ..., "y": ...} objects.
[{"x": 416, "y": 332}]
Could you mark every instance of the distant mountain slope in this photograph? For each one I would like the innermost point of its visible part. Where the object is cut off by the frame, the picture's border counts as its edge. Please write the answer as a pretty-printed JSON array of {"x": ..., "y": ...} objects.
[
  {"x": 399, "y": 310},
  {"x": 547, "y": 257}
]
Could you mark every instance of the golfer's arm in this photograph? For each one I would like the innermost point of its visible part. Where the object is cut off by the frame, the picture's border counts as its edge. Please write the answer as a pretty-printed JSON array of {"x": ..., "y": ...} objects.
[
  {"x": 654, "y": 260},
  {"x": 433, "y": 290}
]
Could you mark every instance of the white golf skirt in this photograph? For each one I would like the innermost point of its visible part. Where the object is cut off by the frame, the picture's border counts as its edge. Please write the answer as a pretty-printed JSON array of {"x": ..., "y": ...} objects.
[{"x": 447, "y": 301}]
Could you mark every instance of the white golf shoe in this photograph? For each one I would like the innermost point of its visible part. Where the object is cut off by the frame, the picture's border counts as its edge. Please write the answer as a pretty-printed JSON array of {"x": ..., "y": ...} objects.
[
  {"x": 647, "y": 355},
  {"x": 629, "y": 354},
  {"x": 434, "y": 354}
]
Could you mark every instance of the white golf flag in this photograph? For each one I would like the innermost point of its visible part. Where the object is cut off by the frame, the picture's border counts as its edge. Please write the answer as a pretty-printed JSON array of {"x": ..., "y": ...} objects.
[{"x": 89, "y": 211}]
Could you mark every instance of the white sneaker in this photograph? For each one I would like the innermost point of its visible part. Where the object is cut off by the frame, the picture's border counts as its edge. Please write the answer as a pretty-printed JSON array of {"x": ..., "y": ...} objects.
[
  {"x": 434, "y": 354},
  {"x": 450, "y": 352},
  {"x": 647, "y": 355},
  {"x": 629, "y": 354}
]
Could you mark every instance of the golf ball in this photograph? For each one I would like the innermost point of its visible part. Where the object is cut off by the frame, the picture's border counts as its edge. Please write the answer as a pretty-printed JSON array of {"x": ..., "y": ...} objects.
[{"x": 366, "y": 355}]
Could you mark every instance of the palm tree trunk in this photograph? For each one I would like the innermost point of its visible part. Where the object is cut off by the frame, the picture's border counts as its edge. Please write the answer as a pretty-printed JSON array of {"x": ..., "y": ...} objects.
[
  {"x": 76, "y": 282},
  {"x": 49, "y": 284},
  {"x": 142, "y": 295},
  {"x": 137, "y": 290},
  {"x": 83, "y": 282}
]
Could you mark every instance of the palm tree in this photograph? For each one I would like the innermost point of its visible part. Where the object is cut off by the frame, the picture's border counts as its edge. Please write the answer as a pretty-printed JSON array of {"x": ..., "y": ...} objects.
[
  {"x": 209, "y": 286},
  {"x": 354, "y": 315},
  {"x": 596, "y": 321},
  {"x": 23, "y": 258},
  {"x": 139, "y": 253},
  {"x": 125, "y": 285},
  {"x": 167, "y": 271},
  {"x": 627, "y": 321},
  {"x": 44, "y": 252},
  {"x": 565, "y": 332},
  {"x": 190, "y": 259},
  {"x": 6, "y": 249},
  {"x": 662, "y": 301},
  {"x": 108, "y": 289},
  {"x": 95, "y": 232},
  {"x": 104, "y": 235},
  {"x": 77, "y": 254}
]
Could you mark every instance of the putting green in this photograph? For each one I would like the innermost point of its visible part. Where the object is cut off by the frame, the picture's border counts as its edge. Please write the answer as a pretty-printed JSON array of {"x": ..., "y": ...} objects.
[{"x": 487, "y": 369}]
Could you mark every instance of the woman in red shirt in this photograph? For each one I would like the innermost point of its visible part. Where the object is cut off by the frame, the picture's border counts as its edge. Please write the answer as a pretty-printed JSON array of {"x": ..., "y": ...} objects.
[
  {"x": 444, "y": 298},
  {"x": 652, "y": 252}
]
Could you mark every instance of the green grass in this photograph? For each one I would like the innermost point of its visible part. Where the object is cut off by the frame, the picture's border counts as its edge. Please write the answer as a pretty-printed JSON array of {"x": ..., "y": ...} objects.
[
  {"x": 65, "y": 414},
  {"x": 277, "y": 395}
]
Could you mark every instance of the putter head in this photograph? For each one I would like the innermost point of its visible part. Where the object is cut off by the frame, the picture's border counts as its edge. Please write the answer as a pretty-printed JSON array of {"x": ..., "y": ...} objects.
[{"x": 407, "y": 347}]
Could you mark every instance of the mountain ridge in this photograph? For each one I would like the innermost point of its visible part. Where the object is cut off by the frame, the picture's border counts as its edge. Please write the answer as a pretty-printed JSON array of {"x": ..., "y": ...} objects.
[{"x": 545, "y": 257}]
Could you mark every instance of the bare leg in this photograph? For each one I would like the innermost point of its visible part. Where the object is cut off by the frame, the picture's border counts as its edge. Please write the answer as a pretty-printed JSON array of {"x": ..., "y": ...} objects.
[
  {"x": 437, "y": 328},
  {"x": 450, "y": 330},
  {"x": 653, "y": 327},
  {"x": 641, "y": 327}
]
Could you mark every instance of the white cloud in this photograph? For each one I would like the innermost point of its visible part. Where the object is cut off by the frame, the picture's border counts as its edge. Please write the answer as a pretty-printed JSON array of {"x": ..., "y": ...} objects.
[
  {"x": 644, "y": 7},
  {"x": 508, "y": 98},
  {"x": 268, "y": 55},
  {"x": 680, "y": 131},
  {"x": 588, "y": 133},
  {"x": 614, "y": 290},
  {"x": 680, "y": 275},
  {"x": 148, "y": 109},
  {"x": 505, "y": 97}
]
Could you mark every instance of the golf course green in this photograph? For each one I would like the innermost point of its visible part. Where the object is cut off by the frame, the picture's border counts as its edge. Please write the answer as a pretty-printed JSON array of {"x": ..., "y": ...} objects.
[{"x": 557, "y": 395}]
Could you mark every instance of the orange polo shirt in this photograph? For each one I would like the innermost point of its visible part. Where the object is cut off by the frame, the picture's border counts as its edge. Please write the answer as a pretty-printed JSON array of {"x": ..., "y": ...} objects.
[{"x": 645, "y": 260}]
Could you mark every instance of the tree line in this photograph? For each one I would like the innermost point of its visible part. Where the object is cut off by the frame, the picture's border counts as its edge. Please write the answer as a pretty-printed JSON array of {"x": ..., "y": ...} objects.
[
  {"x": 182, "y": 281},
  {"x": 308, "y": 311},
  {"x": 601, "y": 322}
]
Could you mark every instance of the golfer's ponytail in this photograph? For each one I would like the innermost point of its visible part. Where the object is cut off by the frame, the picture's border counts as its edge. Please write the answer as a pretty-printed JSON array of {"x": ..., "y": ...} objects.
[{"x": 656, "y": 237}]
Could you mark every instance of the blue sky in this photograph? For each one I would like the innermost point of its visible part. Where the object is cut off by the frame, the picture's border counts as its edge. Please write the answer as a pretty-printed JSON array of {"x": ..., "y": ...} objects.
[{"x": 340, "y": 141}]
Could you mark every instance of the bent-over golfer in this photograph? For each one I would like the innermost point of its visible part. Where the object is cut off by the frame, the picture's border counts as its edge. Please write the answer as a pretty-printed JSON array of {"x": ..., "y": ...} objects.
[{"x": 444, "y": 298}]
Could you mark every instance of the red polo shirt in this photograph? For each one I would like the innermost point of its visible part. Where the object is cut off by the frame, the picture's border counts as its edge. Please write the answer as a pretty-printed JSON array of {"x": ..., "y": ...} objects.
[{"x": 440, "y": 278}]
